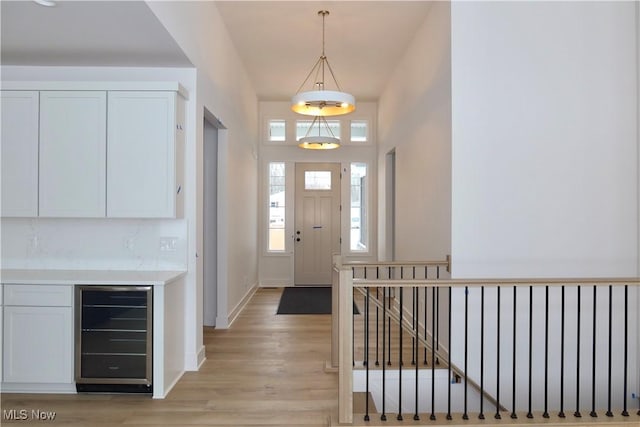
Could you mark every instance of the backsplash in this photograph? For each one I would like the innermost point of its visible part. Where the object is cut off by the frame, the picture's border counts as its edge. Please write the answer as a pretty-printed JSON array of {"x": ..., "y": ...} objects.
[{"x": 93, "y": 244}]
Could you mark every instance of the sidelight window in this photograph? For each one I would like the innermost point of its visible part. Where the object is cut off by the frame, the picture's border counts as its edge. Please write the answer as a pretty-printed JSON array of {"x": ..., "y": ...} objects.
[
  {"x": 359, "y": 212},
  {"x": 276, "y": 207}
]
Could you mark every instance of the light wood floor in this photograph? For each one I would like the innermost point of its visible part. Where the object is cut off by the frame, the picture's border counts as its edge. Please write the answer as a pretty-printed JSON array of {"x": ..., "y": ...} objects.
[{"x": 267, "y": 369}]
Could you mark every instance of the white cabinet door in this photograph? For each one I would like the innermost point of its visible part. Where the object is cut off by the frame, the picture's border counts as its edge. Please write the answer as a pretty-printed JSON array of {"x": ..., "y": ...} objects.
[
  {"x": 141, "y": 154},
  {"x": 38, "y": 345},
  {"x": 19, "y": 153},
  {"x": 72, "y": 153}
]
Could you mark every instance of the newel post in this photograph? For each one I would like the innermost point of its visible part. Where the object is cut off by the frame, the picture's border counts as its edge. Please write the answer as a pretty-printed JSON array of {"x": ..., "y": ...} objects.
[
  {"x": 332, "y": 365},
  {"x": 345, "y": 330}
]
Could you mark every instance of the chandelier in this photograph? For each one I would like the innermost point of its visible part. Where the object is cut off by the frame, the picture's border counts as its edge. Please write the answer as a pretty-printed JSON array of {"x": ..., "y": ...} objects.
[
  {"x": 328, "y": 141},
  {"x": 321, "y": 102}
]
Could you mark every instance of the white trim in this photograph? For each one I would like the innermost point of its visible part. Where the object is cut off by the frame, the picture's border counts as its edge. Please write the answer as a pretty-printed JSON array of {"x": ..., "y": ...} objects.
[
  {"x": 276, "y": 283},
  {"x": 66, "y": 388},
  {"x": 241, "y": 305},
  {"x": 168, "y": 388},
  {"x": 201, "y": 357},
  {"x": 96, "y": 85}
]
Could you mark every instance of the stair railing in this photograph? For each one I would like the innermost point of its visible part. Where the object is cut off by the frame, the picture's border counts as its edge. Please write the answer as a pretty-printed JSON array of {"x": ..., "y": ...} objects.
[{"x": 558, "y": 347}]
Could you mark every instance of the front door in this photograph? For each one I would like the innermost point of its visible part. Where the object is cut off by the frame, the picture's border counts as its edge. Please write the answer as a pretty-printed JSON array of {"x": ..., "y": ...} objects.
[{"x": 317, "y": 226}]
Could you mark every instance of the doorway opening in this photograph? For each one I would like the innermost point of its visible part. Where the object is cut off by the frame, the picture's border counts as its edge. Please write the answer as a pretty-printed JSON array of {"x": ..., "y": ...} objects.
[
  {"x": 210, "y": 218},
  {"x": 390, "y": 205}
]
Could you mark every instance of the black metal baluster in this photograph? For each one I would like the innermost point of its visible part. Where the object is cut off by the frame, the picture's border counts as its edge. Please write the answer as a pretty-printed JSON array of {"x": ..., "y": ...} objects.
[
  {"x": 530, "y": 414},
  {"x": 400, "y": 362},
  {"x": 497, "y": 415},
  {"x": 426, "y": 277},
  {"x": 365, "y": 358},
  {"x": 465, "y": 415},
  {"x": 577, "y": 413},
  {"x": 414, "y": 324},
  {"x": 609, "y": 413},
  {"x": 481, "y": 415},
  {"x": 414, "y": 318},
  {"x": 425, "y": 326},
  {"x": 383, "y": 417},
  {"x": 366, "y": 352},
  {"x": 389, "y": 324},
  {"x": 432, "y": 417},
  {"x": 546, "y": 353},
  {"x": 515, "y": 304},
  {"x": 416, "y": 417},
  {"x": 593, "y": 356},
  {"x": 449, "y": 362},
  {"x": 377, "y": 318},
  {"x": 437, "y": 326},
  {"x": 353, "y": 323},
  {"x": 625, "y": 413},
  {"x": 561, "y": 413}
]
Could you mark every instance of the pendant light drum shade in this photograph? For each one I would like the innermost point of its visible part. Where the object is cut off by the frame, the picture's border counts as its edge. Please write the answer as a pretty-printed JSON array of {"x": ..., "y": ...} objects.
[
  {"x": 319, "y": 143},
  {"x": 321, "y": 102}
]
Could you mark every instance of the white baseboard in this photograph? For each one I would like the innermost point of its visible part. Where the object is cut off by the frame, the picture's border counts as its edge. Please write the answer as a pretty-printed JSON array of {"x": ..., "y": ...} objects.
[
  {"x": 193, "y": 361},
  {"x": 272, "y": 283},
  {"x": 167, "y": 389},
  {"x": 243, "y": 302},
  {"x": 66, "y": 388}
]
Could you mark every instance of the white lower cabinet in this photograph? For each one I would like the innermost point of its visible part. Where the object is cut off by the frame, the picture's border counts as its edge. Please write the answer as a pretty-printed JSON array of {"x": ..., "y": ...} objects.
[{"x": 37, "y": 338}]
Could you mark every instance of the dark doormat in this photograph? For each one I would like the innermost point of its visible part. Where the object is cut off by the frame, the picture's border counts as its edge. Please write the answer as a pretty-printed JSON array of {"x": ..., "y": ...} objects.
[{"x": 307, "y": 300}]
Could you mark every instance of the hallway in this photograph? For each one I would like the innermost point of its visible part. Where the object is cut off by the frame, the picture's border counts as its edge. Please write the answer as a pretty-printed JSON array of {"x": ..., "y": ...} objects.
[{"x": 267, "y": 369}]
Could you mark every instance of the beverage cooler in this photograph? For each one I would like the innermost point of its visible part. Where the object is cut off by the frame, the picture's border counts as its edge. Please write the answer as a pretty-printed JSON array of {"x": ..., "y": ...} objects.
[{"x": 113, "y": 339}]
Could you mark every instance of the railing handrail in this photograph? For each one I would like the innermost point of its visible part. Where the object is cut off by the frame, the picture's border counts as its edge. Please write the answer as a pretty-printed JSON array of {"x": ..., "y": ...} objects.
[
  {"x": 393, "y": 263},
  {"x": 454, "y": 283}
]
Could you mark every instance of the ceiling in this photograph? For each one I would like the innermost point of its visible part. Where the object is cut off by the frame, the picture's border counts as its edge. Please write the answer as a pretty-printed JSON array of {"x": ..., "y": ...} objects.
[
  {"x": 278, "y": 41},
  {"x": 86, "y": 33}
]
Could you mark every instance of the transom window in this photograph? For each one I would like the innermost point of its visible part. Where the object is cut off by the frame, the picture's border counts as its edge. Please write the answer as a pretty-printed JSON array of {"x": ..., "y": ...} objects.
[
  {"x": 302, "y": 126},
  {"x": 277, "y": 130},
  {"x": 359, "y": 130}
]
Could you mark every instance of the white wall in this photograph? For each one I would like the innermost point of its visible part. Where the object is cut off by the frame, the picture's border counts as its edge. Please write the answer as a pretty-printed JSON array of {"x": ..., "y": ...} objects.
[
  {"x": 545, "y": 151},
  {"x": 223, "y": 87},
  {"x": 414, "y": 118},
  {"x": 545, "y": 175}
]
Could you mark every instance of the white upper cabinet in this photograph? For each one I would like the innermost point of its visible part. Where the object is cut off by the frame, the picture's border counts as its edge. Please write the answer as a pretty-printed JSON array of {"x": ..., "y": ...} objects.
[
  {"x": 144, "y": 154},
  {"x": 19, "y": 153},
  {"x": 73, "y": 153}
]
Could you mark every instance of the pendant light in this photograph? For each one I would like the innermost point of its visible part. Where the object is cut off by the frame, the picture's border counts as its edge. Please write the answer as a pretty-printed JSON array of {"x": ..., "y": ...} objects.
[
  {"x": 319, "y": 141},
  {"x": 321, "y": 102}
]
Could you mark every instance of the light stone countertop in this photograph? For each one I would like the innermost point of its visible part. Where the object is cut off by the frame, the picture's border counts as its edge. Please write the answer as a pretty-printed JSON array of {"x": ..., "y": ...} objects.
[{"x": 89, "y": 277}]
